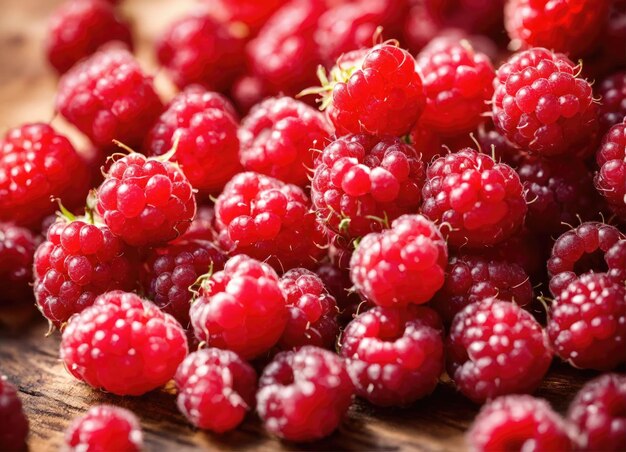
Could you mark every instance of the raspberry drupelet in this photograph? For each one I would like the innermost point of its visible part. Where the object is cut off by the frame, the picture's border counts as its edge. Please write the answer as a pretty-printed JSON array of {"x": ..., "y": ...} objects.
[
  {"x": 476, "y": 201},
  {"x": 612, "y": 108},
  {"x": 123, "y": 344},
  {"x": 146, "y": 201},
  {"x": 105, "y": 427},
  {"x": 303, "y": 395},
  {"x": 401, "y": 265},
  {"x": 542, "y": 105},
  {"x": 610, "y": 180},
  {"x": 17, "y": 248},
  {"x": 394, "y": 355},
  {"x": 107, "y": 96},
  {"x": 13, "y": 421},
  {"x": 495, "y": 348},
  {"x": 216, "y": 388}
]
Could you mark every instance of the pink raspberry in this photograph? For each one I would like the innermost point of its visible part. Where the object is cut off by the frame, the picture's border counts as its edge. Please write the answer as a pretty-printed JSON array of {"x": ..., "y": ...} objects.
[
  {"x": 146, "y": 201},
  {"x": 401, "y": 265},
  {"x": 17, "y": 247},
  {"x": 610, "y": 180},
  {"x": 612, "y": 108},
  {"x": 394, "y": 355},
  {"x": 252, "y": 13},
  {"x": 216, "y": 389},
  {"x": 541, "y": 105},
  {"x": 495, "y": 348},
  {"x": 13, "y": 422},
  {"x": 303, "y": 395},
  {"x": 105, "y": 427},
  {"x": 476, "y": 200},
  {"x": 241, "y": 308},
  {"x": 123, "y": 344},
  {"x": 107, "y": 96}
]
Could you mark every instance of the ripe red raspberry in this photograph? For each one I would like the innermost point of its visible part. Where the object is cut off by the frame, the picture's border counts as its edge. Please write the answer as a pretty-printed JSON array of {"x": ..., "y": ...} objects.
[
  {"x": 202, "y": 125},
  {"x": 123, "y": 344},
  {"x": 13, "y": 422},
  {"x": 216, "y": 389},
  {"x": 519, "y": 422},
  {"x": 241, "y": 308},
  {"x": 495, "y": 348},
  {"x": 105, "y": 427},
  {"x": 394, "y": 355},
  {"x": 580, "y": 250},
  {"x": 252, "y": 13},
  {"x": 201, "y": 227},
  {"x": 337, "y": 282},
  {"x": 17, "y": 247},
  {"x": 476, "y": 200},
  {"x": 280, "y": 137},
  {"x": 78, "y": 28},
  {"x": 401, "y": 265},
  {"x": 146, "y": 201},
  {"x": 269, "y": 220},
  {"x": 587, "y": 322},
  {"x": 472, "y": 278},
  {"x": 541, "y": 105},
  {"x": 362, "y": 182},
  {"x": 568, "y": 26},
  {"x": 598, "y": 413},
  {"x": 107, "y": 96},
  {"x": 458, "y": 82},
  {"x": 612, "y": 108},
  {"x": 303, "y": 395},
  {"x": 37, "y": 163},
  {"x": 610, "y": 181}
]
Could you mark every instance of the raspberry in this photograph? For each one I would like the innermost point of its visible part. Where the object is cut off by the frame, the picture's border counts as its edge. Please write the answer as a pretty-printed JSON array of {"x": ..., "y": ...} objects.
[
  {"x": 252, "y": 13},
  {"x": 541, "y": 105},
  {"x": 201, "y": 227},
  {"x": 580, "y": 250},
  {"x": 458, "y": 85},
  {"x": 519, "y": 422},
  {"x": 78, "y": 262},
  {"x": 247, "y": 91},
  {"x": 498, "y": 146},
  {"x": 105, "y": 427},
  {"x": 401, "y": 265},
  {"x": 216, "y": 389},
  {"x": 394, "y": 355},
  {"x": 598, "y": 412},
  {"x": 477, "y": 201},
  {"x": 495, "y": 348},
  {"x": 13, "y": 422},
  {"x": 146, "y": 201},
  {"x": 587, "y": 322},
  {"x": 523, "y": 249},
  {"x": 473, "y": 16},
  {"x": 337, "y": 282},
  {"x": 303, "y": 395},
  {"x": 362, "y": 182},
  {"x": 472, "y": 278},
  {"x": 17, "y": 247},
  {"x": 615, "y": 259},
  {"x": 612, "y": 108},
  {"x": 78, "y": 28},
  {"x": 269, "y": 220},
  {"x": 202, "y": 125},
  {"x": 37, "y": 163},
  {"x": 123, "y": 344},
  {"x": 610, "y": 181},
  {"x": 241, "y": 308},
  {"x": 200, "y": 49},
  {"x": 107, "y": 97}
]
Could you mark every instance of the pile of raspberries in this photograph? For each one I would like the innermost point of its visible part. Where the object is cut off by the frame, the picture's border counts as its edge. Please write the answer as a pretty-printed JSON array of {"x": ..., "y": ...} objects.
[{"x": 443, "y": 204}]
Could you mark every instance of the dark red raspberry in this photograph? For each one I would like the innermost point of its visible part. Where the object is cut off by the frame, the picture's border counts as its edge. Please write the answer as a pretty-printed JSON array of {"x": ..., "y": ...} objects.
[
  {"x": 202, "y": 226},
  {"x": 251, "y": 13},
  {"x": 13, "y": 422},
  {"x": 493, "y": 143},
  {"x": 216, "y": 389},
  {"x": 146, "y": 201},
  {"x": 280, "y": 138},
  {"x": 523, "y": 249},
  {"x": 337, "y": 282},
  {"x": 472, "y": 278},
  {"x": 541, "y": 105},
  {"x": 247, "y": 91},
  {"x": 612, "y": 108},
  {"x": 202, "y": 126},
  {"x": 37, "y": 163},
  {"x": 598, "y": 413},
  {"x": 269, "y": 220},
  {"x": 78, "y": 28},
  {"x": 495, "y": 348},
  {"x": 123, "y": 344},
  {"x": 303, "y": 395},
  {"x": 394, "y": 355},
  {"x": 587, "y": 322},
  {"x": 241, "y": 308},
  {"x": 476, "y": 200},
  {"x": 519, "y": 422},
  {"x": 473, "y": 16},
  {"x": 105, "y": 427},
  {"x": 401, "y": 265},
  {"x": 107, "y": 96},
  {"x": 580, "y": 250},
  {"x": 362, "y": 182},
  {"x": 17, "y": 248},
  {"x": 610, "y": 181}
]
